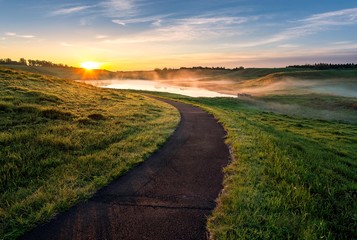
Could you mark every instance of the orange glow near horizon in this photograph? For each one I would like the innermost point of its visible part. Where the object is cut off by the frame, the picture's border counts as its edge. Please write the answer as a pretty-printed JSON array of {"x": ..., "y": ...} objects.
[{"x": 90, "y": 65}]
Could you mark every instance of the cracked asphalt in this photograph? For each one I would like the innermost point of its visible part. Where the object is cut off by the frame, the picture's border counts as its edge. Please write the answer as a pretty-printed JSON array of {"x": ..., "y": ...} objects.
[{"x": 169, "y": 196}]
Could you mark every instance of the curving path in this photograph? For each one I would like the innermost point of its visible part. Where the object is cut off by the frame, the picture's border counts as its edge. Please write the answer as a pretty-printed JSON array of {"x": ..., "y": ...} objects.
[{"x": 169, "y": 196}]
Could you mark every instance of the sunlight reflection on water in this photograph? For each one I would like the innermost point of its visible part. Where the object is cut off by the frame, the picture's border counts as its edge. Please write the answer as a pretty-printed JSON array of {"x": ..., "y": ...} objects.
[{"x": 156, "y": 86}]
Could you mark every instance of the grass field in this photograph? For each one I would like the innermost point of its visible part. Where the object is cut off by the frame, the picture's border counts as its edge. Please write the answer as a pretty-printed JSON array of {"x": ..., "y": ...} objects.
[
  {"x": 290, "y": 178},
  {"x": 61, "y": 72},
  {"x": 60, "y": 141},
  {"x": 293, "y": 174},
  {"x": 309, "y": 105}
]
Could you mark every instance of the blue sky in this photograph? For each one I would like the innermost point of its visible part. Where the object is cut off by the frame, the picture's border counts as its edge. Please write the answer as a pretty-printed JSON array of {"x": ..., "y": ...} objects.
[{"x": 141, "y": 34}]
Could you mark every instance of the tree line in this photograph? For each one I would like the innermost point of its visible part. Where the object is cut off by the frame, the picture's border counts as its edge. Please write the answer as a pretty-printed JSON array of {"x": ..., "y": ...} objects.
[
  {"x": 198, "y": 68},
  {"x": 325, "y": 66},
  {"x": 31, "y": 63}
]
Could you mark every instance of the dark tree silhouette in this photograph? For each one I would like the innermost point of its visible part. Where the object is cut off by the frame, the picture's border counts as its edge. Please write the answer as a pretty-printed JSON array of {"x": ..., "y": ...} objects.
[
  {"x": 32, "y": 63},
  {"x": 325, "y": 66}
]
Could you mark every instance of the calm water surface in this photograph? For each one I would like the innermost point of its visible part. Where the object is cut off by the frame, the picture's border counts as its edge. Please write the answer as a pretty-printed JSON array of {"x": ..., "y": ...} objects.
[{"x": 157, "y": 86}]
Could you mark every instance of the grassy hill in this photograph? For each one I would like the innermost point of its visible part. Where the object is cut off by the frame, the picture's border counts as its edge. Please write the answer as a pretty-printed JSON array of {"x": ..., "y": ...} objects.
[
  {"x": 65, "y": 72},
  {"x": 307, "y": 75},
  {"x": 60, "y": 141}
]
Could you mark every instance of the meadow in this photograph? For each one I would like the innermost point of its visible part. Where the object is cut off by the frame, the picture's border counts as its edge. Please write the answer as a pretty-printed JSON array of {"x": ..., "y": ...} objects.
[
  {"x": 290, "y": 177},
  {"x": 60, "y": 141},
  {"x": 72, "y": 73}
]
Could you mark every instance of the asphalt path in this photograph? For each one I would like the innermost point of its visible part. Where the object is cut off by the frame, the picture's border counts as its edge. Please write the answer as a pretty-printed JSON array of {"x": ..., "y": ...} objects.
[{"x": 169, "y": 196}]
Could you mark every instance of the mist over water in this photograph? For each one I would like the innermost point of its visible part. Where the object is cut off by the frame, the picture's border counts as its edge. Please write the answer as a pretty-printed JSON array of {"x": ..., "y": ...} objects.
[
  {"x": 256, "y": 89},
  {"x": 191, "y": 85},
  {"x": 337, "y": 87},
  {"x": 157, "y": 86}
]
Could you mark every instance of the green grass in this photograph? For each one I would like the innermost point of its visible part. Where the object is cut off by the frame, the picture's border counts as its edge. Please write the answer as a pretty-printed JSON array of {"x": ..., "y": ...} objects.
[
  {"x": 321, "y": 74},
  {"x": 302, "y": 78},
  {"x": 60, "y": 141},
  {"x": 312, "y": 105},
  {"x": 315, "y": 101},
  {"x": 253, "y": 73},
  {"x": 290, "y": 177},
  {"x": 61, "y": 72}
]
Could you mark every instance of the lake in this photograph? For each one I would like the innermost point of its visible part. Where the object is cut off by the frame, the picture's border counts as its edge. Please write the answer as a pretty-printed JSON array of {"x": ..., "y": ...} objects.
[{"x": 157, "y": 86}]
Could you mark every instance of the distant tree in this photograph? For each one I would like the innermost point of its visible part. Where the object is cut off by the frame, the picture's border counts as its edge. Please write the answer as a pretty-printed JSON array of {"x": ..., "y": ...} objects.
[
  {"x": 23, "y": 61},
  {"x": 9, "y": 61},
  {"x": 33, "y": 63}
]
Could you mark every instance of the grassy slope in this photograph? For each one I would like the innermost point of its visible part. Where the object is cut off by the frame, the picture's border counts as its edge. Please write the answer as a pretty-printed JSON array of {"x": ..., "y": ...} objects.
[
  {"x": 322, "y": 75},
  {"x": 313, "y": 105},
  {"x": 315, "y": 101},
  {"x": 290, "y": 178},
  {"x": 252, "y": 73},
  {"x": 68, "y": 73},
  {"x": 60, "y": 141}
]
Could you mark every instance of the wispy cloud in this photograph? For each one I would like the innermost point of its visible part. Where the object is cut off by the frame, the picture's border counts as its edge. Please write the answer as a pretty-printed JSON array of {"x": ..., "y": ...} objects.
[
  {"x": 119, "y": 5},
  {"x": 213, "y": 20},
  {"x": 119, "y": 22},
  {"x": 288, "y": 45},
  {"x": 311, "y": 25},
  {"x": 119, "y": 8},
  {"x": 65, "y": 44},
  {"x": 343, "y": 46},
  {"x": 15, "y": 35},
  {"x": 154, "y": 20},
  {"x": 185, "y": 29},
  {"x": 341, "y": 42},
  {"x": 70, "y": 10},
  {"x": 26, "y": 36},
  {"x": 201, "y": 27},
  {"x": 341, "y": 17},
  {"x": 157, "y": 23},
  {"x": 88, "y": 19},
  {"x": 101, "y": 36}
]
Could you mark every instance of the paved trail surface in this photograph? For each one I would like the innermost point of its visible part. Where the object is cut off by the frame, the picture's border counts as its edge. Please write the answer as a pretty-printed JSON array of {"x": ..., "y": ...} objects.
[{"x": 169, "y": 196}]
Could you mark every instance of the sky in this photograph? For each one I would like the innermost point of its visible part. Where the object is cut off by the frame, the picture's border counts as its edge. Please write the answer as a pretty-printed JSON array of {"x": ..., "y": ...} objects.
[{"x": 148, "y": 34}]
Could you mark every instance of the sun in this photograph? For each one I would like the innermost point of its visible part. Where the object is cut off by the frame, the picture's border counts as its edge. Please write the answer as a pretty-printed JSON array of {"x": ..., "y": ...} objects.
[{"x": 90, "y": 65}]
